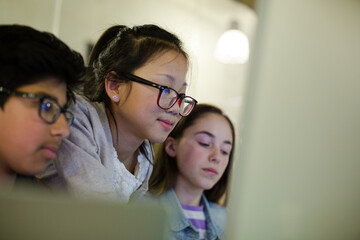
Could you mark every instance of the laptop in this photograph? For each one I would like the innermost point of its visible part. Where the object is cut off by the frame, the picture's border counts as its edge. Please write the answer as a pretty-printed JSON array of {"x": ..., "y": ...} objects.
[{"x": 25, "y": 215}]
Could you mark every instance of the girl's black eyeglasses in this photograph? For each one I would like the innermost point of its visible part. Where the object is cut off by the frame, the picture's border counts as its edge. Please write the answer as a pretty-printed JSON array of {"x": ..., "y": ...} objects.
[{"x": 168, "y": 96}]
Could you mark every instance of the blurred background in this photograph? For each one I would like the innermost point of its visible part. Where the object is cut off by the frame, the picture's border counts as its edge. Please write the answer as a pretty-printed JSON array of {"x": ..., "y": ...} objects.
[
  {"x": 199, "y": 23},
  {"x": 294, "y": 100}
]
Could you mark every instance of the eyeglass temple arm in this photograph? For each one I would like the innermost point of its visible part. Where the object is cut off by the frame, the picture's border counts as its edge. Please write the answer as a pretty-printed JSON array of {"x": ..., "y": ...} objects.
[{"x": 141, "y": 80}]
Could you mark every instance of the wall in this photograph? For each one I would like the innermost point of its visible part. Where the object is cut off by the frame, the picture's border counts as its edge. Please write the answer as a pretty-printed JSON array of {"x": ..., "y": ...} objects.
[{"x": 199, "y": 23}]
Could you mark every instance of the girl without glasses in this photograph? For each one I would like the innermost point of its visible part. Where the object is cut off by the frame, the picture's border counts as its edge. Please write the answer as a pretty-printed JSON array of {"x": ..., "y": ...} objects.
[
  {"x": 134, "y": 94},
  {"x": 38, "y": 74},
  {"x": 192, "y": 173}
]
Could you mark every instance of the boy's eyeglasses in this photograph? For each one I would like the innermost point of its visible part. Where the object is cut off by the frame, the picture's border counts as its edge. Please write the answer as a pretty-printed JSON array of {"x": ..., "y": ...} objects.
[
  {"x": 168, "y": 96},
  {"x": 49, "y": 108}
]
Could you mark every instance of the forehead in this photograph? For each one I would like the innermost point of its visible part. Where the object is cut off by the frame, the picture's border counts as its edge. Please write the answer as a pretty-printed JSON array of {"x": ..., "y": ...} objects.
[
  {"x": 213, "y": 123},
  {"x": 167, "y": 55},
  {"x": 48, "y": 86},
  {"x": 168, "y": 67}
]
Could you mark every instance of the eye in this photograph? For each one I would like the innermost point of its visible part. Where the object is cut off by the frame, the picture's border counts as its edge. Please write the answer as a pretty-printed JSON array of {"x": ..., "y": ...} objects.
[
  {"x": 204, "y": 144},
  {"x": 223, "y": 152},
  {"x": 47, "y": 106},
  {"x": 166, "y": 91}
]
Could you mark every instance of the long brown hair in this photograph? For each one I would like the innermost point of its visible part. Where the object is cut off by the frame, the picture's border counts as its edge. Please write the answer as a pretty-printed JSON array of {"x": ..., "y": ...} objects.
[{"x": 165, "y": 169}]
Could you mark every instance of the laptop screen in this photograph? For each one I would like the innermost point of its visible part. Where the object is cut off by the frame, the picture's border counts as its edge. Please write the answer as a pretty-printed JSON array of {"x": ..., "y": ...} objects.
[{"x": 31, "y": 216}]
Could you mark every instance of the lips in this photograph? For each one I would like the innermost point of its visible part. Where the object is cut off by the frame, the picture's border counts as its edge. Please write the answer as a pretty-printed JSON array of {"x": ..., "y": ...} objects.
[
  {"x": 50, "y": 152},
  {"x": 210, "y": 171},
  {"x": 166, "y": 124}
]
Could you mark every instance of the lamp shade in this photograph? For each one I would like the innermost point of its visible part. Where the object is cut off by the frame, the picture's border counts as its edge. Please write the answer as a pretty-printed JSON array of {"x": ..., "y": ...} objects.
[{"x": 232, "y": 47}]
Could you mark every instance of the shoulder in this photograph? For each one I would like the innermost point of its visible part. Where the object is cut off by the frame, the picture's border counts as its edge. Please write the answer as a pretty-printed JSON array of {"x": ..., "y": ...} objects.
[
  {"x": 87, "y": 116},
  {"x": 169, "y": 199},
  {"x": 217, "y": 215},
  {"x": 89, "y": 133},
  {"x": 168, "y": 195},
  {"x": 82, "y": 107},
  {"x": 217, "y": 209}
]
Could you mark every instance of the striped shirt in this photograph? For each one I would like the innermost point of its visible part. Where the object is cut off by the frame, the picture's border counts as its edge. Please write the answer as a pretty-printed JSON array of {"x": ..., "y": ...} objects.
[{"x": 197, "y": 217}]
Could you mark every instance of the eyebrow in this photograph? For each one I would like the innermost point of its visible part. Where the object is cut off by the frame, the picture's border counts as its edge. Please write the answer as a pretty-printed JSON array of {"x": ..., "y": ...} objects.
[
  {"x": 172, "y": 79},
  {"x": 212, "y": 136}
]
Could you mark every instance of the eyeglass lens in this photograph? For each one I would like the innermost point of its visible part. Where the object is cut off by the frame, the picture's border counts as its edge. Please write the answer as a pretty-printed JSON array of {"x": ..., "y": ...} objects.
[
  {"x": 49, "y": 110},
  {"x": 168, "y": 98},
  {"x": 186, "y": 106}
]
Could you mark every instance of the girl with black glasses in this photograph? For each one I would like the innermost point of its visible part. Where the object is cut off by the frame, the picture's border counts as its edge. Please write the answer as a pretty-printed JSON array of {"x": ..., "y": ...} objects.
[{"x": 134, "y": 94}]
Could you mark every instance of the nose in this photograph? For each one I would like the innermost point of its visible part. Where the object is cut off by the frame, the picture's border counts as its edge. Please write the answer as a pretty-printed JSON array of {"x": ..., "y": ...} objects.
[
  {"x": 215, "y": 154},
  {"x": 175, "y": 109},
  {"x": 60, "y": 128}
]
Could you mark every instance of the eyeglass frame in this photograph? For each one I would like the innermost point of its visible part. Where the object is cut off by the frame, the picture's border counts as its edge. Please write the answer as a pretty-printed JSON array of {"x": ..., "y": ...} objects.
[
  {"x": 41, "y": 99},
  {"x": 161, "y": 88}
]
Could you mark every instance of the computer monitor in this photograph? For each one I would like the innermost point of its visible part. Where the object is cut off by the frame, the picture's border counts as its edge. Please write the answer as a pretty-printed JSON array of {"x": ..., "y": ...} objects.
[
  {"x": 25, "y": 215},
  {"x": 297, "y": 171}
]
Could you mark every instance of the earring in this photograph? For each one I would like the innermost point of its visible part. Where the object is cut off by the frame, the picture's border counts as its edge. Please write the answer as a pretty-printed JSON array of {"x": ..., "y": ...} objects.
[{"x": 115, "y": 98}]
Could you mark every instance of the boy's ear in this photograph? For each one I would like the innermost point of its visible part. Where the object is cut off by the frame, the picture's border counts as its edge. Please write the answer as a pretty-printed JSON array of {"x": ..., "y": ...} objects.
[
  {"x": 170, "y": 146},
  {"x": 112, "y": 86}
]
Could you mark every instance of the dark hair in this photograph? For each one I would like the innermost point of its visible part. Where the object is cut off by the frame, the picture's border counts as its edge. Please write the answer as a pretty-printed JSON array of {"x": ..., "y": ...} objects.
[
  {"x": 123, "y": 50},
  {"x": 28, "y": 56},
  {"x": 165, "y": 168}
]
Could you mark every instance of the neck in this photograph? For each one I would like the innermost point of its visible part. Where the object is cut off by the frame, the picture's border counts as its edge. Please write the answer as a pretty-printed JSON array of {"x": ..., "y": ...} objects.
[
  {"x": 188, "y": 195},
  {"x": 124, "y": 142}
]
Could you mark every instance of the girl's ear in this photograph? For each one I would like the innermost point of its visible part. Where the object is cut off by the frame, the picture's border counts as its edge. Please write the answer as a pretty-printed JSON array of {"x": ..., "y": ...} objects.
[
  {"x": 170, "y": 146},
  {"x": 112, "y": 86}
]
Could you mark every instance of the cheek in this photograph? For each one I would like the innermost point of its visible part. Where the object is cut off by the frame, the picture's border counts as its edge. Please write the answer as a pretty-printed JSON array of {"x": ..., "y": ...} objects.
[
  {"x": 146, "y": 99},
  {"x": 28, "y": 137},
  {"x": 147, "y": 110},
  {"x": 21, "y": 155},
  {"x": 177, "y": 120},
  {"x": 189, "y": 155},
  {"x": 223, "y": 165}
]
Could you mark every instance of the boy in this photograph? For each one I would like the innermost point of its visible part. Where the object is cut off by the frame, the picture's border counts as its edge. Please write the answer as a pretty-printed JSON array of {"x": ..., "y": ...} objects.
[{"x": 38, "y": 77}]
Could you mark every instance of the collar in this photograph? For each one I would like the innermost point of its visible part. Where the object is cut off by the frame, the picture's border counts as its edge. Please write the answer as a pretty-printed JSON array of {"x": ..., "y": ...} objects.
[{"x": 178, "y": 220}]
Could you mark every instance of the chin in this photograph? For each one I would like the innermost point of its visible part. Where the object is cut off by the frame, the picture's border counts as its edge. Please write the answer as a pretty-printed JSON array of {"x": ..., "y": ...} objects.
[
  {"x": 158, "y": 137},
  {"x": 33, "y": 170},
  {"x": 208, "y": 186},
  {"x": 29, "y": 172}
]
